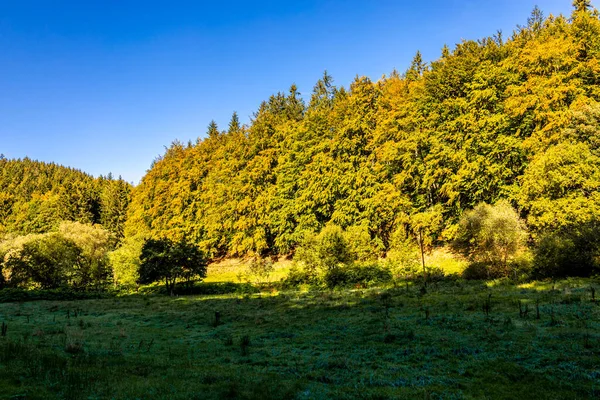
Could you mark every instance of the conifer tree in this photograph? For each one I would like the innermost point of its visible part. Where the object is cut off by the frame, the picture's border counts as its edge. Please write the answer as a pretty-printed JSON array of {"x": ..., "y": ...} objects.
[
  {"x": 234, "y": 124},
  {"x": 213, "y": 130},
  {"x": 582, "y": 6}
]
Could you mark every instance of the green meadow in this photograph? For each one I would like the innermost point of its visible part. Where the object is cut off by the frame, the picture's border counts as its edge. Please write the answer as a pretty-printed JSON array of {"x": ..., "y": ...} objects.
[{"x": 456, "y": 340}]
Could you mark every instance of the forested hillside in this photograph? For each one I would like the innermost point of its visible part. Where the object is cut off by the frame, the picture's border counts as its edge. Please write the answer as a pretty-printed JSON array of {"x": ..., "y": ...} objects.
[
  {"x": 513, "y": 118},
  {"x": 36, "y": 196}
]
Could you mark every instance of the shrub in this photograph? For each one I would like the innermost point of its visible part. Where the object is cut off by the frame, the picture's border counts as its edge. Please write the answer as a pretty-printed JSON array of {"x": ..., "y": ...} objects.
[
  {"x": 125, "y": 262},
  {"x": 261, "y": 268},
  {"x": 94, "y": 242},
  {"x": 490, "y": 237},
  {"x": 297, "y": 277},
  {"x": 573, "y": 251},
  {"x": 357, "y": 274},
  {"x": 325, "y": 251},
  {"x": 75, "y": 256},
  {"x": 403, "y": 260},
  {"x": 362, "y": 247},
  {"x": 46, "y": 261}
]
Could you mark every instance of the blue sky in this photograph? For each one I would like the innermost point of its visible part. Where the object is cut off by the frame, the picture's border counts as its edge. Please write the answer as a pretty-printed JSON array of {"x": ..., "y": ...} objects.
[{"x": 103, "y": 86}]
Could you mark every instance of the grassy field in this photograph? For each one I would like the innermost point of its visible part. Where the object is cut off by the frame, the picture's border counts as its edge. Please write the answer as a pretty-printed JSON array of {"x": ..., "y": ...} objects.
[
  {"x": 238, "y": 270},
  {"x": 457, "y": 341}
]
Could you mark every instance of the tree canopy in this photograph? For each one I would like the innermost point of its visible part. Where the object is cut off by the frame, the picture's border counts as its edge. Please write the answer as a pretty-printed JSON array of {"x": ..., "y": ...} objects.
[{"x": 498, "y": 118}]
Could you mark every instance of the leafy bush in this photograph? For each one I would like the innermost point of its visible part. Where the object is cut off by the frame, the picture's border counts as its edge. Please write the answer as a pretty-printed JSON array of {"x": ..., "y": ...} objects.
[
  {"x": 357, "y": 274},
  {"x": 573, "y": 251},
  {"x": 94, "y": 242},
  {"x": 324, "y": 252},
  {"x": 47, "y": 262},
  {"x": 362, "y": 247},
  {"x": 403, "y": 258},
  {"x": 75, "y": 256},
  {"x": 125, "y": 262},
  {"x": 490, "y": 236},
  {"x": 297, "y": 277},
  {"x": 261, "y": 268}
]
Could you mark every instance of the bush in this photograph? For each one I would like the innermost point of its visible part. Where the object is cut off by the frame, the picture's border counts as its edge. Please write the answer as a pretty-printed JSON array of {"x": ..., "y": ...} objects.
[
  {"x": 362, "y": 247},
  {"x": 261, "y": 269},
  {"x": 75, "y": 256},
  {"x": 490, "y": 237},
  {"x": 573, "y": 251},
  {"x": 403, "y": 260},
  {"x": 125, "y": 262},
  {"x": 297, "y": 277},
  {"x": 325, "y": 251},
  {"x": 357, "y": 274}
]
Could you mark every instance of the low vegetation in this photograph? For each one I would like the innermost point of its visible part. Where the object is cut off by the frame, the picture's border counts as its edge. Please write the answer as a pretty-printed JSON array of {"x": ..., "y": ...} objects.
[{"x": 459, "y": 340}]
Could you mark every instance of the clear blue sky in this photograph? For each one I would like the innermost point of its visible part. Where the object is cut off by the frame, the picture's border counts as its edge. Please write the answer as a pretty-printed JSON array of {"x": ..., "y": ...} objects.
[{"x": 103, "y": 86}]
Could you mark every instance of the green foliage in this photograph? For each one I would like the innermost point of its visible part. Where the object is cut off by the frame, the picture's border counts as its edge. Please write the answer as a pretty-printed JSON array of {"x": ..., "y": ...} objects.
[
  {"x": 261, "y": 269},
  {"x": 357, "y": 275},
  {"x": 125, "y": 262},
  {"x": 403, "y": 258},
  {"x": 36, "y": 196},
  {"x": 324, "y": 252},
  {"x": 573, "y": 251},
  {"x": 511, "y": 118},
  {"x": 490, "y": 235},
  {"x": 95, "y": 244},
  {"x": 500, "y": 118},
  {"x": 361, "y": 245},
  {"x": 561, "y": 187},
  {"x": 46, "y": 261},
  {"x": 75, "y": 256},
  {"x": 163, "y": 259}
]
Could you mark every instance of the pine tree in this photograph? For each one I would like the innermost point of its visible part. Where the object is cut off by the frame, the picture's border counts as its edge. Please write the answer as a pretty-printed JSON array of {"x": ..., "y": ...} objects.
[
  {"x": 213, "y": 130},
  {"x": 234, "y": 124},
  {"x": 445, "y": 51},
  {"x": 582, "y": 6},
  {"x": 417, "y": 67}
]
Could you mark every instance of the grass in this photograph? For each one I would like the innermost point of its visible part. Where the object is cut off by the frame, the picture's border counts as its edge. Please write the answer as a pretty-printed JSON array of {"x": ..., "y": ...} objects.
[
  {"x": 237, "y": 269},
  {"x": 375, "y": 344},
  {"x": 443, "y": 258}
]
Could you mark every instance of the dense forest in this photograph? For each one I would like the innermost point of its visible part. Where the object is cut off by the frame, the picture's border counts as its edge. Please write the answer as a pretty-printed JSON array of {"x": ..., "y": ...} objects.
[
  {"x": 512, "y": 121},
  {"x": 35, "y": 197}
]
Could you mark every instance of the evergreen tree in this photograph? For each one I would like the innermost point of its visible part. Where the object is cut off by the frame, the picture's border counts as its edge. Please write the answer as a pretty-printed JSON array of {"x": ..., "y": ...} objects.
[
  {"x": 234, "y": 124},
  {"x": 213, "y": 130}
]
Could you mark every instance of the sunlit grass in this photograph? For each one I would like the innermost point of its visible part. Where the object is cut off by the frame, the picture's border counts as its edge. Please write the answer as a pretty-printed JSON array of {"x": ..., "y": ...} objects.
[
  {"x": 449, "y": 262},
  {"x": 237, "y": 270}
]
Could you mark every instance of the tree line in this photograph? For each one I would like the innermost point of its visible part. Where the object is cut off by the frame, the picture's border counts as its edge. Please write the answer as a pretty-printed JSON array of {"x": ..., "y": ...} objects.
[
  {"x": 405, "y": 161},
  {"x": 513, "y": 119}
]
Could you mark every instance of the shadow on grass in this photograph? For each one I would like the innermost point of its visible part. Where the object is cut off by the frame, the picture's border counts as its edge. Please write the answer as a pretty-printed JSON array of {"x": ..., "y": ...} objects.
[{"x": 395, "y": 342}]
